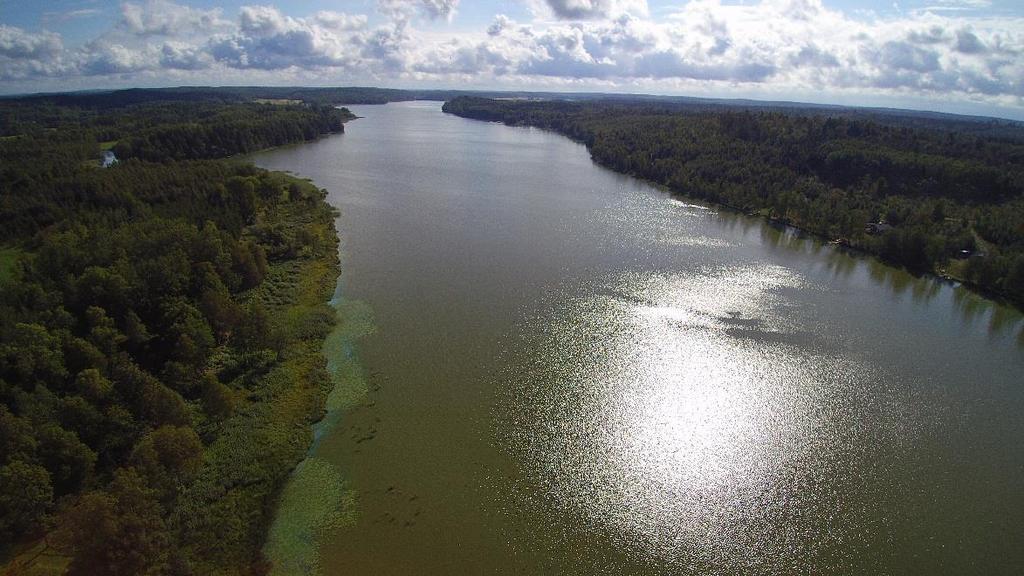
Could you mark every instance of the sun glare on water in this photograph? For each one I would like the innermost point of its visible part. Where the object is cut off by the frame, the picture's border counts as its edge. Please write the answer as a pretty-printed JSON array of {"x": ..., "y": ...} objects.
[{"x": 673, "y": 413}]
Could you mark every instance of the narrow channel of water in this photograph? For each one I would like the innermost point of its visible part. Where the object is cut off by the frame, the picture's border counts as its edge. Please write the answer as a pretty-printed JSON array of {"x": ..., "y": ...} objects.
[{"x": 548, "y": 368}]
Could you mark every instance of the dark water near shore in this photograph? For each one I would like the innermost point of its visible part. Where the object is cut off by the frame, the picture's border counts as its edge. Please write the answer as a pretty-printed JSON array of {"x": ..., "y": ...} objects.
[{"x": 548, "y": 368}]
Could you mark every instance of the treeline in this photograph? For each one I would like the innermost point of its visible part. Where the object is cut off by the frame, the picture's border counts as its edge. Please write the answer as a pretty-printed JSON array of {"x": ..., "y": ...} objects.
[
  {"x": 233, "y": 130},
  {"x": 264, "y": 122},
  {"x": 48, "y": 152},
  {"x": 926, "y": 199},
  {"x": 103, "y": 100},
  {"x": 160, "y": 338}
]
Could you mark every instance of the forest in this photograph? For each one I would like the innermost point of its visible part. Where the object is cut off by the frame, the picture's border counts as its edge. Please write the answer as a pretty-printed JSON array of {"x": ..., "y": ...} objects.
[
  {"x": 161, "y": 324},
  {"x": 934, "y": 195}
]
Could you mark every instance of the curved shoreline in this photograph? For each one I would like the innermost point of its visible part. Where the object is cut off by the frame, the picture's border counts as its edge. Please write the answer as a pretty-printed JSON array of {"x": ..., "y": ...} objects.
[{"x": 845, "y": 244}]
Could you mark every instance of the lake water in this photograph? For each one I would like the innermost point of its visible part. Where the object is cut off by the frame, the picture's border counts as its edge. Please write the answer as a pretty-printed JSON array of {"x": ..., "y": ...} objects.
[{"x": 548, "y": 368}]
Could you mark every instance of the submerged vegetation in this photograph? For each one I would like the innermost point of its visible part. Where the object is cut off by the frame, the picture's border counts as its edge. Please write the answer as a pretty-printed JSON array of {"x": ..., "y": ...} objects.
[
  {"x": 161, "y": 325},
  {"x": 931, "y": 195}
]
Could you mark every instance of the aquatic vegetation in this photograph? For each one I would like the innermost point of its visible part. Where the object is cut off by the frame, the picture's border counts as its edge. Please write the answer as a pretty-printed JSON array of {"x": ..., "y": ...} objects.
[{"x": 316, "y": 498}]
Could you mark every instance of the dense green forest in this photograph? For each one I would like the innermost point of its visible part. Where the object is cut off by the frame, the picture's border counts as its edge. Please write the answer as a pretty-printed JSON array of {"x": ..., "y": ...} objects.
[
  {"x": 913, "y": 191},
  {"x": 161, "y": 324}
]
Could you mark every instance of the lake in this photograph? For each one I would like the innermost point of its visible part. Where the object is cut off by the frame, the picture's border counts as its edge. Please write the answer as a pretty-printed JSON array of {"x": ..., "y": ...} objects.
[{"x": 545, "y": 367}]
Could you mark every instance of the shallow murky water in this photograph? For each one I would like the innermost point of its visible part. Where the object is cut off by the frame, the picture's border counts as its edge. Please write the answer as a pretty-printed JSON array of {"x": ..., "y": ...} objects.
[{"x": 549, "y": 368}]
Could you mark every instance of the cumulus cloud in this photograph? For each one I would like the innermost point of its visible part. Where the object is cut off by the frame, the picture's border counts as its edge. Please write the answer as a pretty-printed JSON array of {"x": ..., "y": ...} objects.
[
  {"x": 440, "y": 8},
  {"x": 16, "y": 43},
  {"x": 810, "y": 55},
  {"x": 384, "y": 48},
  {"x": 268, "y": 39},
  {"x": 340, "y": 21},
  {"x": 780, "y": 45},
  {"x": 177, "y": 56},
  {"x": 165, "y": 18},
  {"x": 404, "y": 9},
  {"x": 26, "y": 55},
  {"x": 897, "y": 55},
  {"x": 105, "y": 58},
  {"x": 933, "y": 34},
  {"x": 968, "y": 43},
  {"x": 500, "y": 24},
  {"x": 594, "y": 9}
]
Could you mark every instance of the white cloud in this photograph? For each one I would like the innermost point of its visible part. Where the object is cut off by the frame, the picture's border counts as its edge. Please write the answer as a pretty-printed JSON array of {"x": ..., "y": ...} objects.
[
  {"x": 404, "y": 9},
  {"x": 267, "y": 39},
  {"x": 967, "y": 42},
  {"x": 69, "y": 15},
  {"x": 440, "y": 8},
  {"x": 595, "y": 9},
  {"x": 177, "y": 56},
  {"x": 340, "y": 21},
  {"x": 103, "y": 58},
  {"x": 500, "y": 24},
  {"x": 25, "y": 55},
  {"x": 165, "y": 18},
  {"x": 16, "y": 43},
  {"x": 775, "y": 46}
]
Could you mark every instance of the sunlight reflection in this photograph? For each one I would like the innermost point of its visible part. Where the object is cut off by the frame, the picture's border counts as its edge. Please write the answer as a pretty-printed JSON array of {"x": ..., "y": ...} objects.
[{"x": 672, "y": 434}]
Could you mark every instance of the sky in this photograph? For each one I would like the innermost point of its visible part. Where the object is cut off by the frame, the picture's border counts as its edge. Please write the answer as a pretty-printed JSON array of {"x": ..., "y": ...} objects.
[{"x": 963, "y": 56}]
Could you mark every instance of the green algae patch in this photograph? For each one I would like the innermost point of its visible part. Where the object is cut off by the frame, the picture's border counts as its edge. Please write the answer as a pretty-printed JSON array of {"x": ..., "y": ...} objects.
[
  {"x": 316, "y": 498},
  {"x": 355, "y": 320},
  {"x": 315, "y": 501}
]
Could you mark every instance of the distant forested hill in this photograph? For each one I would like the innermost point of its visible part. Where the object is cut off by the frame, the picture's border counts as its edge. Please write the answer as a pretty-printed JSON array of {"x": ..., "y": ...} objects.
[
  {"x": 938, "y": 193},
  {"x": 108, "y": 99},
  {"x": 161, "y": 322},
  {"x": 92, "y": 101}
]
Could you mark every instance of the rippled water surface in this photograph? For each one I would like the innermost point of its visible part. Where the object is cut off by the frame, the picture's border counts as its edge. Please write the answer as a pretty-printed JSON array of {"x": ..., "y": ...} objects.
[{"x": 555, "y": 369}]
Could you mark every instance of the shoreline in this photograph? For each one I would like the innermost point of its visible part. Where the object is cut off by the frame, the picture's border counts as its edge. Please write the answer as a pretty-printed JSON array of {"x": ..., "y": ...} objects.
[
  {"x": 313, "y": 496},
  {"x": 275, "y": 429},
  {"x": 842, "y": 244}
]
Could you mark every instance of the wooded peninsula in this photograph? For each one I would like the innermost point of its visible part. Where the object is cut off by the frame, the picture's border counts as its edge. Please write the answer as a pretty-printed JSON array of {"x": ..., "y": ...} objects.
[{"x": 162, "y": 314}]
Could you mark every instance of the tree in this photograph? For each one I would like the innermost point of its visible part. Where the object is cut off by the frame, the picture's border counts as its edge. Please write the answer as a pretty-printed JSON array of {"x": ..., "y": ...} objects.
[
  {"x": 25, "y": 496},
  {"x": 118, "y": 532},
  {"x": 188, "y": 334},
  {"x": 32, "y": 354},
  {"x": 253, "y": 332},
  {"x": 16, "y": 438},
  {"x": 214, "y": 299},
  {"x": 249, "y": 261},
  {"x": 68, "y": 460},
  {"x": 168, "y": 458},
  {"x": 91, "y": 384},
  {"x": 218, "y": 401}
]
